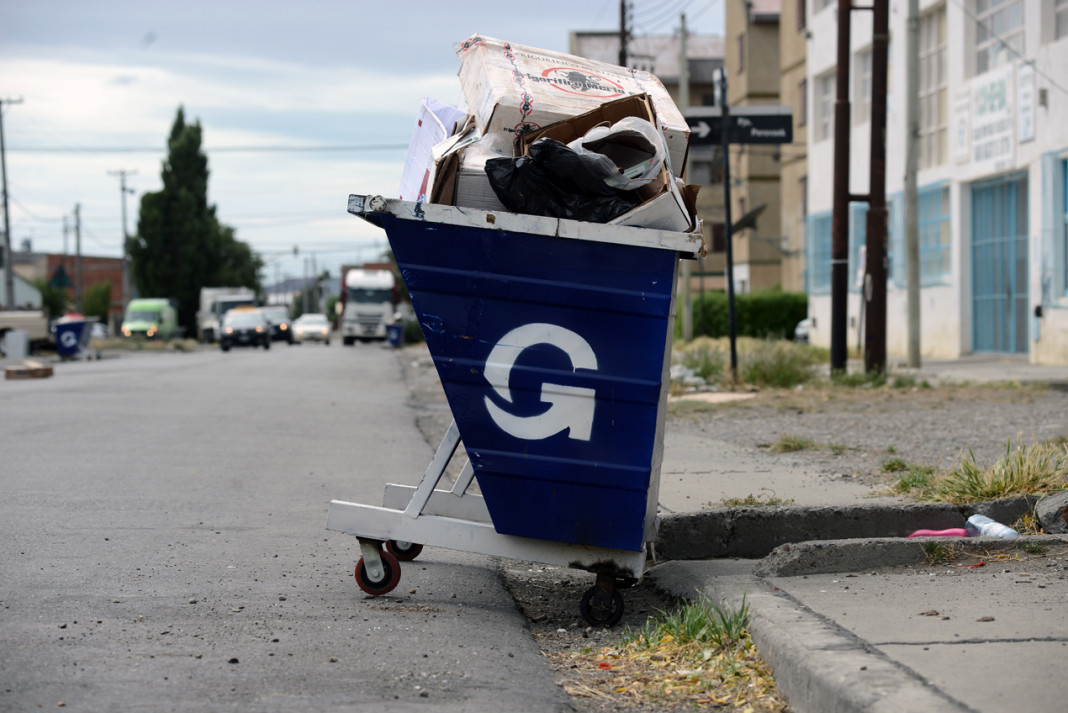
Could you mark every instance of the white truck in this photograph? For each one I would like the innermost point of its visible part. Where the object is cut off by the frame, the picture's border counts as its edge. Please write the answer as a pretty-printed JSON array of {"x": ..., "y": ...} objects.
[
  {"x": 214, "y": 303},
  {"x": 33, "y": 323},
  {"x": 368, "y": 303}
]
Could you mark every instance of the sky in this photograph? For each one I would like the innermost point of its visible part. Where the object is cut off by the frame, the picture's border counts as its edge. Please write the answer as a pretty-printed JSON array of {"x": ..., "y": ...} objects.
[{"x": 301, "y": 104}]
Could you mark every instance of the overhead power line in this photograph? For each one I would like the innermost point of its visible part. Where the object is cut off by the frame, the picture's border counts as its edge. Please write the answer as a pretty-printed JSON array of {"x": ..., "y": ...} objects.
[{"x": 207, "y": 149}]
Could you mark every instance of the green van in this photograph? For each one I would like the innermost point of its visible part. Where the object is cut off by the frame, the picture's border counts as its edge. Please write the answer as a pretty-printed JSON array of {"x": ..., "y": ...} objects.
[{"x": 150, "y": 319}]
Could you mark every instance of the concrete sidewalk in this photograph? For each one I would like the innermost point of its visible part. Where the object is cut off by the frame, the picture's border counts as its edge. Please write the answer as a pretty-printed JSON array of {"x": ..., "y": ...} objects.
[{"x": 850, "y": 614}]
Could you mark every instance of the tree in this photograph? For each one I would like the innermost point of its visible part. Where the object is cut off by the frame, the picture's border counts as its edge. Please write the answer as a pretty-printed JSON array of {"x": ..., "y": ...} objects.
[
  {"x": 53, "y": 299},
  {"x": 180, "y": 245},
  {"x": 97, "y": 301}
]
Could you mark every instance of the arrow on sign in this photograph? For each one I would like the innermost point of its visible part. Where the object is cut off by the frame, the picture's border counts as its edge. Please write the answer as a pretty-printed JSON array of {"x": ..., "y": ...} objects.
[
  {"x": 701, "y": 130},
  {"x": 570, "y": 407}
]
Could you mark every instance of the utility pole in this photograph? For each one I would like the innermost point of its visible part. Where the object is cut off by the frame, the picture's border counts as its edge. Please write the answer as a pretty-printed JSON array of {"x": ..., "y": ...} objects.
[
  {"x": 122, "y": 174},
  {"x": 623, "y": 35},
  {"x": 77, "y": 257},
  {"x": 912, "y": 228},
  {"x": 875, "y": 238},
  {"x": 875, "y": 268},
  {"x": 684, "y": 101},
  {"x": 725, "y": 121},
  {"x": 9, "y": 267},
  {"x": 304, "y": 292},
  {"x": 840, "y": 217}
]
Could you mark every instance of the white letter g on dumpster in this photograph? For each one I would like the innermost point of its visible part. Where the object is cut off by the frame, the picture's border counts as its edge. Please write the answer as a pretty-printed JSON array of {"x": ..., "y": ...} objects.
[{"x": 571, "y": 407}]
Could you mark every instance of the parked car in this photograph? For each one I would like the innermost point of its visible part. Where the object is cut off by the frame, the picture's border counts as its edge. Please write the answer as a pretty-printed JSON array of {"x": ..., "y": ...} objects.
[
  {"x": 281, "y": 324},
  {"x": 801, "y": 331},
  {"x": 311, "y": 327},
  {"x": 244, "y": 327}
]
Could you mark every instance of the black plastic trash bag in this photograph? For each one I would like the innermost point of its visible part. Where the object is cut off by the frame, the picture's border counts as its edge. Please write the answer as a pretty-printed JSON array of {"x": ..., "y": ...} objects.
[{"x": 557, "y": 182}]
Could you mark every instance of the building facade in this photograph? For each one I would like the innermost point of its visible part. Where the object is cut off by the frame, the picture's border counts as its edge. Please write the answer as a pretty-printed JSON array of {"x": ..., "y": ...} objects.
[
  {"x": 60, "y": 270},
  {"x": 993, "y": 175},
  {"x": 793, "y": 181}
]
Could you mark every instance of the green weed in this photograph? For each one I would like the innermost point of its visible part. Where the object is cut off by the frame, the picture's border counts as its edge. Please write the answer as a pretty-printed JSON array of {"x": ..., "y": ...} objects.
[
  {"x": 935, "y": 552},
  {"x": 1024, "y": 470},
  {"x": 916, "y": 477},
  {"x": 776, "y": 364},
  {"x": 761, "y": 362},
  {"x": 894, "y": 465},
  {"x": 790, "y": 444},
  {"x": 766, "y": 499},
  {"x": 699, "y": 621}
]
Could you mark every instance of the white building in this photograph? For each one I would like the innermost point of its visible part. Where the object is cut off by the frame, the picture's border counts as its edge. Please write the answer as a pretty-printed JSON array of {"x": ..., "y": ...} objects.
[{"x": 993, "y": 179}]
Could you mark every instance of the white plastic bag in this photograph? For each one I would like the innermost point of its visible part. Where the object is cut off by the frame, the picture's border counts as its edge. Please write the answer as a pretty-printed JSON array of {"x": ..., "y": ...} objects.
[{"x": 631, "y": 151}]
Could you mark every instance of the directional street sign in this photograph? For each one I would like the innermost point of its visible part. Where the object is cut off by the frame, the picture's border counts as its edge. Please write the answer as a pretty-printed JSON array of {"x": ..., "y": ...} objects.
[{"x": 760, "y": 124}]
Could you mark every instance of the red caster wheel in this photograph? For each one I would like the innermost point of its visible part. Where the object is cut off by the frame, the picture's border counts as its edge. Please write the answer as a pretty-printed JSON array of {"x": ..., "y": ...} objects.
[
  {"x": 404, "y": 551},
  {"x": 389, "y": 578}
]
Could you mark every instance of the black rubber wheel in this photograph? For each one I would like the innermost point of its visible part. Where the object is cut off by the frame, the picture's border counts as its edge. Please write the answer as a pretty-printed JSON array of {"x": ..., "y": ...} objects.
[
  {"x": 404, "y": 551},
  {"x": 391, "y": 576},
  {"x": 600, "y": 607}
]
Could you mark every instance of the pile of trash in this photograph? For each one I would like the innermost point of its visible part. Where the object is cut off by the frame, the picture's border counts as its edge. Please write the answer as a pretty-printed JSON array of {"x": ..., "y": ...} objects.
[{"x": 551, "y": 134}]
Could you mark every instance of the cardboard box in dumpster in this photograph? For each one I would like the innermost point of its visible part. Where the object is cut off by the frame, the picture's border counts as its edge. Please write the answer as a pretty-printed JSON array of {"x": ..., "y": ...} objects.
[
  {"x": 512, "y": 89},
  {"x": 665, "y": 205}
]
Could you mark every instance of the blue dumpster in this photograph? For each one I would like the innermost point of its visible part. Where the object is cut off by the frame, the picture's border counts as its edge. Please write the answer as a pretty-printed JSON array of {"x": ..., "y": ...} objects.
[
  {"x": 395, "y": 334},
  {"x": 551, "y": 339},
  {"x": 72, "y": 335}
]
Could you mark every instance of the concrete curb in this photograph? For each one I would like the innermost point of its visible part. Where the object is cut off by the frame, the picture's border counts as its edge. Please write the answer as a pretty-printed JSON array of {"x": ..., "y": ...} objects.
[
  {"x": 756, "y": 531},
  {"x": 832, "y": 556},
  {"x": 818, "y": 665}
]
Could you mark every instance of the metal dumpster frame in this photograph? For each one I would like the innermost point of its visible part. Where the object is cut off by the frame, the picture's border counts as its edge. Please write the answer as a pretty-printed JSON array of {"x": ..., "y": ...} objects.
[{"x": 456, "y": 518}]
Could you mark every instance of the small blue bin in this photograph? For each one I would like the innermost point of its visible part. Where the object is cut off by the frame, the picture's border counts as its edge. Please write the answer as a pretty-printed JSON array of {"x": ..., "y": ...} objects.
[
  {"x": 395, "y": 334},
  {"x": 71, "y": 336}
]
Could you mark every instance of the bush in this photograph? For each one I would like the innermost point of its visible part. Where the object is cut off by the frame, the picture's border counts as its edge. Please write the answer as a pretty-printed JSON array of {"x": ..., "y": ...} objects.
[{"x": 769, "y": 313}]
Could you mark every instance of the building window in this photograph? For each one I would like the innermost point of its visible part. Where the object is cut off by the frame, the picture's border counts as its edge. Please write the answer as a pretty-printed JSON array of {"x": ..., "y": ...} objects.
[
  {"x": 803, "y": 184},
  {"x": 999, "y": 33},
  {"x": 719, "y": 238},
  {"x": 825, "y": 87},
  {"x": 932, "y": 214},
  {"x": 741, "y": 53},
  {"x": 1060, "y": 19},
  {"x": 933, "y": 88},
  {"x": 802, "y": 102},
  {"x": 820, "y": 4},
  {"x": 862, "y": 93},
  {"x": 818, "y": 254},
  {"x": 799, "y": 8}
]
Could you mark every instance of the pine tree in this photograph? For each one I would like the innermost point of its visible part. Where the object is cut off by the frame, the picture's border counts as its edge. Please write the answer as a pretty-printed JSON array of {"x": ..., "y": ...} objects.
[{"x": 180, "y": 245}]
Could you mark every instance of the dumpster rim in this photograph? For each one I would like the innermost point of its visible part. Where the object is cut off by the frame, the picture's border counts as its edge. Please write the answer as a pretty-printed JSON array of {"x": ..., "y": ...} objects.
[{"x": 687, "y": 244}]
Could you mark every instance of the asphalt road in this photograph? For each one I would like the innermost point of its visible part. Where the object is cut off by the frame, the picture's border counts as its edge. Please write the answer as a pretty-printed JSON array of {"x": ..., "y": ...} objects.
[{"x": 163, "y": 545}]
